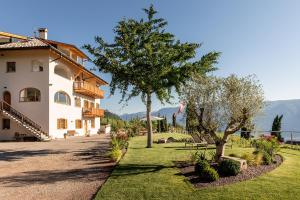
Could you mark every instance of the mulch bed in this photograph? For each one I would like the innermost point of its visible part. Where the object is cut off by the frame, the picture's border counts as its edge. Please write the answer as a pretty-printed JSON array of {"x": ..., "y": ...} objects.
[{"x": 250, "y": 173}]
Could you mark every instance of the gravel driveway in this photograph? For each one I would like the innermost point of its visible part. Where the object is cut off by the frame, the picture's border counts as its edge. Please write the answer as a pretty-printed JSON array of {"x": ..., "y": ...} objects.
[{"x": 60, "y": 169}]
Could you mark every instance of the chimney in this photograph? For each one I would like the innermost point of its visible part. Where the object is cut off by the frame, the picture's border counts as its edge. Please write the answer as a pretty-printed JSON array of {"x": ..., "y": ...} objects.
[{"x": 43, "y": 33}]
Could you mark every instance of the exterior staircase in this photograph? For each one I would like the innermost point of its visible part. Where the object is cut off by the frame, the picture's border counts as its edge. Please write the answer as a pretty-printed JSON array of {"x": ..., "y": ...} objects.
[{"x": 23, "y": 121}]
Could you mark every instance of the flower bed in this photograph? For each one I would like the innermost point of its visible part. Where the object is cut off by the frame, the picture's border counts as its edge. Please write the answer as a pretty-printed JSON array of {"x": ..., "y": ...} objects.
[{"x": 250, "y": 173}]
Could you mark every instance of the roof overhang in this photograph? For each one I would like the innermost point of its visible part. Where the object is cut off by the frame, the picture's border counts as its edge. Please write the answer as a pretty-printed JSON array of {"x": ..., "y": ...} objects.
[{"x": 10, "y": 35}]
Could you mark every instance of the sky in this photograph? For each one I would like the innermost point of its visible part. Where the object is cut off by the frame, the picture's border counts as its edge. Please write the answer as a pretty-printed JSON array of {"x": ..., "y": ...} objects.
[{"x": 260, "y": 37}]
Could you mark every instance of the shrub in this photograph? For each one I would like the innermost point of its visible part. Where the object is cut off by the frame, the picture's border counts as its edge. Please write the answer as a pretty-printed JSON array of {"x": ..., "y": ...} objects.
[
  {"x": 210, "y": 174},
  {"x": 258, "y": 158},
  {"x": 200, "y": 166},
  {"x": 269, "y": 145},
  {"x": 267, "y": 158},
  {"x": 229, "y": 168},
  {"x": 115, "y": 154},
  {"x": 249, "y": 157}
]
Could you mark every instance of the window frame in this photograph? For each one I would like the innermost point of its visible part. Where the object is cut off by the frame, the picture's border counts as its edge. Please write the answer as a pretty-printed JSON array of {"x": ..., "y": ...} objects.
[
  {"x": 37, "y": 97},
  {"x": 40, "y": 67},
  {"x": 68, "y": 98},
  {"x": 7, "y": 66},
  {"x": 62, "y": 124},
  {"x": 76, "y": 99}
]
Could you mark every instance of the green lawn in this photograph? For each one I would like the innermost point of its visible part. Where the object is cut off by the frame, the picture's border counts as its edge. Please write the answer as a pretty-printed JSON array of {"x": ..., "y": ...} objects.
[{"x": 150, "y": 174}]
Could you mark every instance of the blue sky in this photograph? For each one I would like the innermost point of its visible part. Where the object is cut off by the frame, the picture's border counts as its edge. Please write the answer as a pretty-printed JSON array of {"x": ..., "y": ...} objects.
[{"x": 259, "y": 37}]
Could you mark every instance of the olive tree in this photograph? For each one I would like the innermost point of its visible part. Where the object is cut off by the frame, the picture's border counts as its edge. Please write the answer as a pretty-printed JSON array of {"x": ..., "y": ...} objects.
[{"x": 223, "y": 104}]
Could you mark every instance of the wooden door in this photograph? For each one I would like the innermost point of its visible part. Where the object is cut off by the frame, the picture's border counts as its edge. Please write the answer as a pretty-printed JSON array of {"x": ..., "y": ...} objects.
[
  {"x": 6, "y": 99},
  {"x": 85, "y": 127}
]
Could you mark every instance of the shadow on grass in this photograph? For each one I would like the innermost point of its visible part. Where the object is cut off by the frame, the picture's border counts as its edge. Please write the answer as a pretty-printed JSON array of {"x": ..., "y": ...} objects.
[
  {"x": 134, "y": 169},
  {"x": 189, "y": 148}
]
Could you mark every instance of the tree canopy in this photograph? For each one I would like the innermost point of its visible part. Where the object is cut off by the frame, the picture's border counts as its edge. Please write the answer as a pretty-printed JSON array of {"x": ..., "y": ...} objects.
[{"x": 145, "y": 59}]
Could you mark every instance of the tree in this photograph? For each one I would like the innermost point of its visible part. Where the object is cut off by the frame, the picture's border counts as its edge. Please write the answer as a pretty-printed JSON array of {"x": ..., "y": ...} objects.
[
  {"x": 191, "y": 118},
  {"x": 145, "y": 60},
  {"x": 174, "y": 120},
  {"x": 276, "y": 127},
  {"x": 223, "y": 103}
]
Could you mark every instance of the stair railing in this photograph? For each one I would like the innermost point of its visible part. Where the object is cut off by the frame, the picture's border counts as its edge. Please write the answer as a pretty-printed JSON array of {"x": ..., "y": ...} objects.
[{"x": 21, "y": 117}]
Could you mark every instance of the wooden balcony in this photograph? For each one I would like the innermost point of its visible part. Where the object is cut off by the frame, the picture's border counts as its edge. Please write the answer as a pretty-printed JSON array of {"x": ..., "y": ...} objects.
[
  {"x": 88, "y": 89},
  {"x": 92, "y": 112}
]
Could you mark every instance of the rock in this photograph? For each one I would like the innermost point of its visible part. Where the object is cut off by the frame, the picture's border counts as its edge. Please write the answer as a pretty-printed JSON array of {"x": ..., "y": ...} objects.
[{"x": 161, "y": 140}]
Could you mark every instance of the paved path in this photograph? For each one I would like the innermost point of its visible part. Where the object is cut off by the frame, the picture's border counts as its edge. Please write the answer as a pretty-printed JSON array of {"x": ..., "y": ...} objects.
[{"x": 61, "y": 169}]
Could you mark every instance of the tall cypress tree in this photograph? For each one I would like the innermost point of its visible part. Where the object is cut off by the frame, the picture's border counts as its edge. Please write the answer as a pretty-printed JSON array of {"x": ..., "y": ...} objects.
[{"x": 276, "y": 127}]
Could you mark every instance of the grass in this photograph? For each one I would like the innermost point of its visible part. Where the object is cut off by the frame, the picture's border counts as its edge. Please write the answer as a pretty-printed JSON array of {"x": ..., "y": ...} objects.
[{"x": 150, "y": 174}]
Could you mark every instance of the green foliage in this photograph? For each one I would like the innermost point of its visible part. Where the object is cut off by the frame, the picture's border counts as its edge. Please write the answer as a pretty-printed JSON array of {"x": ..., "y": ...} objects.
[
  {"x": 271, "y": 146},
  {"x": 210, "y": 174},
  {"x": 240, "y": 141},
  {"x": 276, "y": 128},
  {"x": 115, "y": 154},
  {"x": 134, "y": 126},
  {"x": 267, "y": 158},
  {"x": 144, "y": 59},
  {"x": 250, "y": 158},
  {"x": 229, "y": 168},
  {"x": 200, "y": 166}
]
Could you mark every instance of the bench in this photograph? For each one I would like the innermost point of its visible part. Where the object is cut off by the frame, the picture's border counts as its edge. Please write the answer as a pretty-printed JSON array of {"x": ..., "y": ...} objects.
[{"x": 243, "y": 163}]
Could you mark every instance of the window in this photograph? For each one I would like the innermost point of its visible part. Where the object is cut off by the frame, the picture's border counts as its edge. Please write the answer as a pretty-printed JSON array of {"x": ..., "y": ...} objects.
[
  {"x": 62, "y": 123},
  {"x": 6, "y": 124},
  {"x": 92, "y": 105},
  {"x": 30, "y": 95},
  {"x": 10, "y": 67},
  {"x": 78, "y": 124},
  {"x": 77, "y": 102},
  {"x": 62, "y": 98},
  {"x": 37, "y": 66},
  {"x": 85, "y": 104},
  {"x": 93, "y": 123}
]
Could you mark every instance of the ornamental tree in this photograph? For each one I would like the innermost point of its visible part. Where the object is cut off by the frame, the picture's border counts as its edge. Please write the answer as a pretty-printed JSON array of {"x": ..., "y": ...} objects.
[
  {"x": 223, "y": 103},
  {"x": 145, "y": 60}
]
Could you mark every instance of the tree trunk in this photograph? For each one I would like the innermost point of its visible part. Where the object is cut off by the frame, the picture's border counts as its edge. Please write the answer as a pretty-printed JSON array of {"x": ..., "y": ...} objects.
[
  {"x": 220, "y": 149},
  {"x": 149, "y": 123}
]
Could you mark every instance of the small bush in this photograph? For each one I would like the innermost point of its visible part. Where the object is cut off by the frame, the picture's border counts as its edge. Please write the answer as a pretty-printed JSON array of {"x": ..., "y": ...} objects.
[
  {"x": 115, "y": 154},
  {"x": 200, "y": 166},
  {"x": 249, "y": 157},
  {"x": 267, "y": 158},
  {"x": 229, "y": 168},
  {"x": 258, "y": 159},
  {"x": 210, "y": 174}
]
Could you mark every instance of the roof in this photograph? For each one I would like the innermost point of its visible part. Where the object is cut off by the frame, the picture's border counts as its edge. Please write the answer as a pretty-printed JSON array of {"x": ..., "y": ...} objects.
[
  {"x": 37, "y": 43},
  {"x": 28, "y": 43},
  {"x": 5, "y": 34},
  {"x": 71, "y": 46}
]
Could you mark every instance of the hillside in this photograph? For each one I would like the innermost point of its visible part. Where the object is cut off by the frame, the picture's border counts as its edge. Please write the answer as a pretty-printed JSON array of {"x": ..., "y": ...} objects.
[{"x": 289, "y": 108}]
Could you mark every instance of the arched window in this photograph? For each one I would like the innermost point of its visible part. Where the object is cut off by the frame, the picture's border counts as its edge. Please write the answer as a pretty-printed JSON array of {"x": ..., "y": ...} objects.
[
  {"x": 62, "y": 71},
  {"x": 62, "y": 97},
  {"x": 30, "y": 95}
]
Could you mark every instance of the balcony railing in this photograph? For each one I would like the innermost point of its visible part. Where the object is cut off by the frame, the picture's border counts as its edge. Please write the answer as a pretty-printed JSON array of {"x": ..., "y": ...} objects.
[
  {"x": 92, "y": 112},
  {"x": 88, "y": 89}
]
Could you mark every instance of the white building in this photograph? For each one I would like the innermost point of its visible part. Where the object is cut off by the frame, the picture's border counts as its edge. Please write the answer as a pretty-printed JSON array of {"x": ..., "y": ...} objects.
[{"x": 45, "y": 90}]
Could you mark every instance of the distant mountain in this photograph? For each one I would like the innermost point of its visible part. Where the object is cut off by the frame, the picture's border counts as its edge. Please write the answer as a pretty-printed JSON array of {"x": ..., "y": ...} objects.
[
  {"x": 289, "y": 108},
  {"x": 111, "y": 115}
]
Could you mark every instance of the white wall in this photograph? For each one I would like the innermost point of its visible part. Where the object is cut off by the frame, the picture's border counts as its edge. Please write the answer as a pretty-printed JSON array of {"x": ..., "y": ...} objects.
[
  {"x": 23, "y": 78},
  {"x": 46, "y": 112},
  {"x": 69, "y": 112}
]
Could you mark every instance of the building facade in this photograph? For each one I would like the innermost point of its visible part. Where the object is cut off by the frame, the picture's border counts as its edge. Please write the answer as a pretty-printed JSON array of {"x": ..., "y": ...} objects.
[{"x": 46, "y": 92}]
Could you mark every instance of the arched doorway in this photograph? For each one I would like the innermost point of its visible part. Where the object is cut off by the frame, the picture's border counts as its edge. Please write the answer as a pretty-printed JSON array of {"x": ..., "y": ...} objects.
[{"x": 7, "y": 99}]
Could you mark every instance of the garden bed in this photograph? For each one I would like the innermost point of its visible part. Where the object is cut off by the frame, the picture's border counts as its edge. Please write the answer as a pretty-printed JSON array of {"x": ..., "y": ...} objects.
[{"x": 250, "y": 173}]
